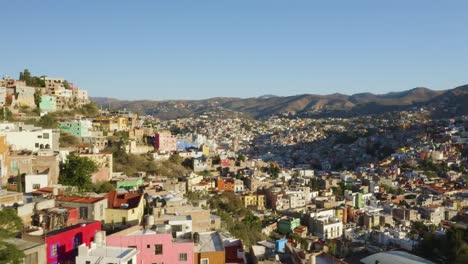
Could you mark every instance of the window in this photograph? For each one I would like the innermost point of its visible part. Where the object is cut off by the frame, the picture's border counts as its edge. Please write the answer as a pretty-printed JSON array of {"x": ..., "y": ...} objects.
[
  {"x": 54, "y": 250},
  {"x": 183, "y": 257},
  {"x": 31, "y": 259},
  {"x": 205, "y": 261},
  {"x": 130, "y": 261},
  {"x": 83, "y": 212},
  {"x": 36, "y": 186},
  {"x": 45, "y": 135},
  {"x": 148, "y": 246},
  {"x": 77, "y": 241},
  {"x": 177, "y": 228},
  {"x": 88, "y": 262},
  {"x": 158, "y": 249},
  {"x": 37, "y": 145}
]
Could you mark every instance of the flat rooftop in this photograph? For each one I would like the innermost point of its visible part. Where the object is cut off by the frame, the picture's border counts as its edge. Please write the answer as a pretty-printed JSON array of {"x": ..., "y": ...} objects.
[
  {"x": 112, "y": 252},
  {"x": 209, "y": 242},
  {"x": 22, "y": 244}
]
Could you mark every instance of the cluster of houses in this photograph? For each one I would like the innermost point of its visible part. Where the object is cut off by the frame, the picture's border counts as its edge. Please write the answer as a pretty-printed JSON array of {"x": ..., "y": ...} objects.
[
  {"x": 322, "y": 195},
  {"x": 56, "y": 95}
]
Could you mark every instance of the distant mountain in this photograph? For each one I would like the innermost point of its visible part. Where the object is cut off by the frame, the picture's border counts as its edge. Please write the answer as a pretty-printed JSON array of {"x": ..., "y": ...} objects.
[
  {"x": 267, "y": 96},
  {"x": 267, "y": 105}
]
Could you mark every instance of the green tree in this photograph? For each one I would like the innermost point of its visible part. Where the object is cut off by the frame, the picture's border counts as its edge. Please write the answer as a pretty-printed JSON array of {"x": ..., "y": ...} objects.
[
  {"x": 47, "y": 121},
  {"x": 5, "y": 114},
  {"x": 332, "y": 247},
  {"x": 66, "y": 85},
  {"x": 176, "y": 159},
  {"x": 10, "y": 225},
  {"x": 37, "y": 98},
  {"x": 68, "y": 140},
  {"x": 90, "y": 109},
  {"x": 241, "y": 157},
  {"x": 31, "y": 80},
  {"x": 77, "y": 171},
  {"x": 103, "y": 187},
  {"x": 19, "y": 182}
]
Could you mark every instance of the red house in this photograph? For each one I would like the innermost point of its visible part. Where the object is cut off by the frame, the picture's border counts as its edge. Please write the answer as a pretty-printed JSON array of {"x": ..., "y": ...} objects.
[
  {"x": 62, "y": 245},
  {"x": 225, "y": 184}
]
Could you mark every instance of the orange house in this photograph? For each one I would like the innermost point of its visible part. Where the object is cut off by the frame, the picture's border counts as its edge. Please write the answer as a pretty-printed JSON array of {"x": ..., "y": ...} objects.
[{"x": 225, "y": 184}]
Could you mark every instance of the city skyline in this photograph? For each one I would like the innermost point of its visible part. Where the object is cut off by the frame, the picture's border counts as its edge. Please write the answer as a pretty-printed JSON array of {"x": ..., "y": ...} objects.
[{"x": 185, "y": 50}]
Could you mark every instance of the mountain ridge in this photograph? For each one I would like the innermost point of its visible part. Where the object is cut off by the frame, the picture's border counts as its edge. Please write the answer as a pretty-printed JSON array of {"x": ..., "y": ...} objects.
[{"x": 264, "y": 106}]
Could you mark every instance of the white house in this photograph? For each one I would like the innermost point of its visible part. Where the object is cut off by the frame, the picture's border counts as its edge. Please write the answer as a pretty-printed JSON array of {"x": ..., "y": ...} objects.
[
  {"x": 327, "y": 227},
  {"x": 27, "y": 137},
  {"x": 34, "y": 182}
]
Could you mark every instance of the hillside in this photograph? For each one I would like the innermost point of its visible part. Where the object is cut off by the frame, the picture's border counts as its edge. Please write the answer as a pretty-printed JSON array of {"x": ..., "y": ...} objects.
[{"x": 304, "y": 104}]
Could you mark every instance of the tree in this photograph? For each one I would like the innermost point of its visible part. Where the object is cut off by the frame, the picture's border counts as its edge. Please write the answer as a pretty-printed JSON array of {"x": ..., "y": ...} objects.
[
  {"x": 31, "y": 80},
  {"x": 19, "y": 182},
  {"x": 10, "y": 225},
  {"x": 77, "y": 171},
  {"x": 68, "y": 140},
  {"x": 241, "y": 157},
  {"x": 37, "y": 98},
  {"x": 103, "y": 187},
  {"x": 332, "y": 247},
  {"x": 5, "y": 114},
  {"x": 176, "y": 159},
  {"x": 47, "y": 121},
  {"x": 90, "y": 109},
  {"x": 66, "y": 85}
]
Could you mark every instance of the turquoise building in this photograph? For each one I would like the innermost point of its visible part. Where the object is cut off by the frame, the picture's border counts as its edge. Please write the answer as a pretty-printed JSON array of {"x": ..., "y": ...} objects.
[
  {"x": 78, "y": 128},
  {"x": 48, "y": 103},
  {"x": 286, "y": 226}
]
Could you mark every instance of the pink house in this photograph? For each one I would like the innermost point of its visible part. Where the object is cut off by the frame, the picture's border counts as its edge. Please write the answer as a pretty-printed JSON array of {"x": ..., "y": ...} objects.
[
  {"x": 153, "y": 247},
  {"x": 62, "y": 245},
  {"x": 164, "y": 141}
]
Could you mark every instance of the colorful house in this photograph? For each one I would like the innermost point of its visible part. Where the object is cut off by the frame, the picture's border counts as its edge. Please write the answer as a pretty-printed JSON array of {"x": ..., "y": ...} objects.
[
  {"x": 77, "y": 128},
  {"x": 89, "y": 208},
  {"x": 62, "y": 245},
  {"x": 254, "y": 200},
  {"x": 153, "y": 247},
  {"x": 209, "y": 248},
  {"x": 4, "y": 155},
  {"x": 286, "y": 226},
  {"x": 124, "y": 209},
  {"x": 164, "y": 141},
  {"x": 225, "y": 184},
  {"x": 129, "y": 183},
  {"x": 48, "y": 103}
]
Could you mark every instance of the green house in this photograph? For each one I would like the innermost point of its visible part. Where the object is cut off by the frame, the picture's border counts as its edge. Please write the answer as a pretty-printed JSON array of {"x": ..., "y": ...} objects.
[
  {"x": 48, "y": 103},
  {"x": 286, "y": 226},
  {"x": 129, "y": 183}
]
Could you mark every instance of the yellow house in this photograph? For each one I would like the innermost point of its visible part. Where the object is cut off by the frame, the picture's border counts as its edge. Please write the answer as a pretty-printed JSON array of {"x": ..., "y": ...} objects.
[
  {"x": 124, "y": 209},
  {"x": 205, "y": 150},
  {"x": 4, "y": 154},
  {"x": 254, "y": 200},
  {"x": 122, "y": 123}
]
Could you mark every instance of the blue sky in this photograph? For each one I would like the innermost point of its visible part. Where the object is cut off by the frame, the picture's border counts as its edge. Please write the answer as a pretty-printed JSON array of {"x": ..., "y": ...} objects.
[{"x": 178, "y": 49}]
